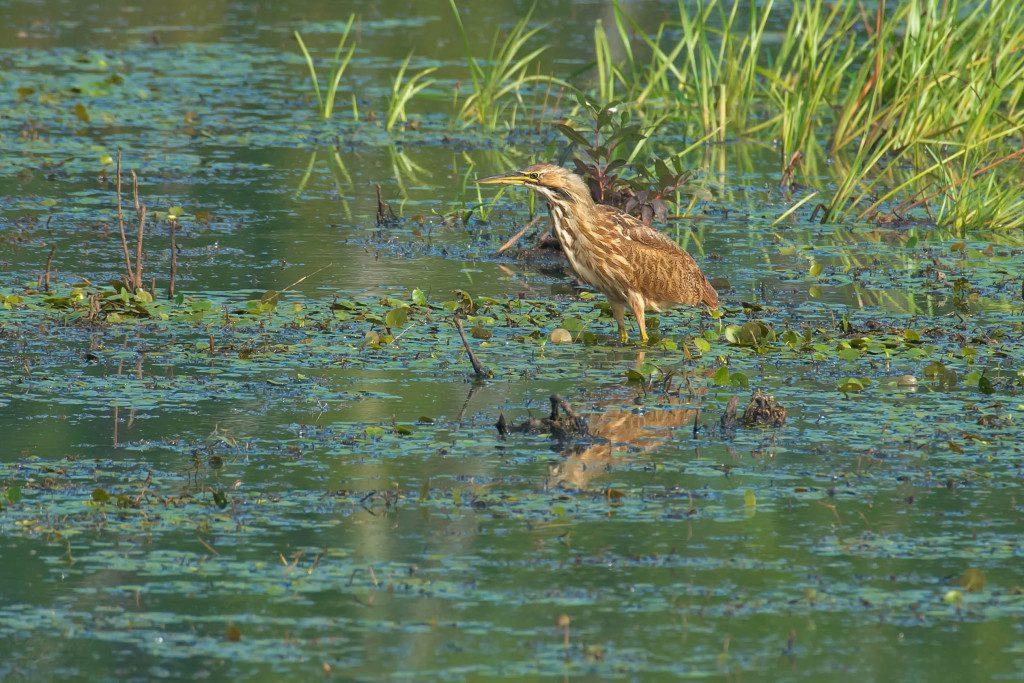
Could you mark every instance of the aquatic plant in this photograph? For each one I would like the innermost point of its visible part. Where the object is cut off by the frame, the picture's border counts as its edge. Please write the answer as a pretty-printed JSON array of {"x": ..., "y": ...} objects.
[
  {"x": 502, "y": 74},
  {"x": 402, "y": 92},
  {"x": 325, "y": 100},
  {"x": 919, "y": 78}
]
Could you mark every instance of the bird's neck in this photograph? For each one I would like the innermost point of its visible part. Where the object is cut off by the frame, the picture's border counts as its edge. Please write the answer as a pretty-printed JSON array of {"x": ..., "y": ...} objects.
[{"x": 570, "y": 225}]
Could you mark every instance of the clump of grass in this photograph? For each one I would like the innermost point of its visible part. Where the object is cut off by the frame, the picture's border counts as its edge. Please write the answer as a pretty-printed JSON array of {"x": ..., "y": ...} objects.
[
  {"x": 325, "y": 100},
  {"x": 503, "y": 74},
  {"x": 919, "y": 82},
  {"x": 402, "y": 92}
]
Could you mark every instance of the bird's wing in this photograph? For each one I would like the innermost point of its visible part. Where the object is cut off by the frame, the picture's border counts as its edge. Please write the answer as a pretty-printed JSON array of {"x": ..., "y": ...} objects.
[
  {"x": 697, "y": 288},
  {"x": 633, "y": 229}
]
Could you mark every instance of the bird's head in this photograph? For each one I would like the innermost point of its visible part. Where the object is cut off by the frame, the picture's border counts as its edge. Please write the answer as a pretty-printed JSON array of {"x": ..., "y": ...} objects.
[{"x": 555, "y": 183}]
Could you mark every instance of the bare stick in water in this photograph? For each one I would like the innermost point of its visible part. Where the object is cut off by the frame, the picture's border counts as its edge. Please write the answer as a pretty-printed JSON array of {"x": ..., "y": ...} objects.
[
  {"x": 49, "y": 265},
  {"x": 174, "y": 257},
  {"x": 478, "y": 367},
  {"x": 129, "y": 276},
  {"x": 140, "y": 211},
  {"x": 516, "y": 237}
]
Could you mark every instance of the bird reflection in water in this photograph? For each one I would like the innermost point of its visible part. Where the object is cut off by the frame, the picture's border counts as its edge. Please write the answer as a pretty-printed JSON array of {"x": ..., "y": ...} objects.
[{"x": 626, "y": 433}]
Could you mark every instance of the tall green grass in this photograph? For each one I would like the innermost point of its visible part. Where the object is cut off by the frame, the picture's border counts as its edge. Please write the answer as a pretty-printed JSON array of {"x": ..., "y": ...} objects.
[
  {"x": 325, "y": 99},
  {"x": 402, "y": 92},
  {"x": 915, "y": 81},
  {"x": 502, "y": 75},
  {"x": 915, "y": 108}
]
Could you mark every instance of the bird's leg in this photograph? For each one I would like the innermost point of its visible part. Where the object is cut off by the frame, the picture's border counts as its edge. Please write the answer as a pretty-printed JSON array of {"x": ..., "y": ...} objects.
[
  {"x": 619, "y": 312},
  {"x": 636, "y": 302}
]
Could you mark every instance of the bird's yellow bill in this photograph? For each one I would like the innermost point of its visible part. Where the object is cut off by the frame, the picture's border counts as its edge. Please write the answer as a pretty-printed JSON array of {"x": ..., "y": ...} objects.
[{"x": 513, "y": 178}]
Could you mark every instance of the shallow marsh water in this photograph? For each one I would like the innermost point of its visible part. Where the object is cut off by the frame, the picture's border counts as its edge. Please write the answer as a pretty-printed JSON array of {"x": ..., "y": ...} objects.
[{"x": 267, "y": 494}]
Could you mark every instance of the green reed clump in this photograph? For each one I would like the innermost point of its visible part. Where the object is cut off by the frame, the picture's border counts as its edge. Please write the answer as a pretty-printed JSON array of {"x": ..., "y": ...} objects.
[
  {"x": 913, "y": 81},
  {"x": 325, "y": 99},
  {"x": 502, "y": 75},
  {"x": 403, "y": 91}
]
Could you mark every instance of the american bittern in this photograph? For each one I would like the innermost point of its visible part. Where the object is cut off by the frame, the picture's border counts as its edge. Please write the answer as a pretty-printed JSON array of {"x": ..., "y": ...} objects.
[{"x": 631, "y": 263}]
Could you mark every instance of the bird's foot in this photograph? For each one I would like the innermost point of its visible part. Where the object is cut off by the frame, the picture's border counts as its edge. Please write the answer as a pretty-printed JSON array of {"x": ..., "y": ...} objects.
[{"x": 623, "y": 336}]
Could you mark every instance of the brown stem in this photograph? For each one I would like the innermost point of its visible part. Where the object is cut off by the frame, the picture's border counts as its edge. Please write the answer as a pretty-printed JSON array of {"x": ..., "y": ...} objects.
[
  {"x": 129, "y": 275},
  {"x": 140, "y": 210},
  {"x": 49, "y": 265},
  {"x": 478, "y": 367},
  {"x": 516, "y": 237},
  {"x": 385, "y": 215},
  {"x": 174, "y": 258}
]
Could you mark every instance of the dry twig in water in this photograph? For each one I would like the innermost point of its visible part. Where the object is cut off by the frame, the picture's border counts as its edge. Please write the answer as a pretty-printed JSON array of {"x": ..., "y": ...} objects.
[
  {"x": 478, "y": 367},
  {"x": 516, "y": 237}
]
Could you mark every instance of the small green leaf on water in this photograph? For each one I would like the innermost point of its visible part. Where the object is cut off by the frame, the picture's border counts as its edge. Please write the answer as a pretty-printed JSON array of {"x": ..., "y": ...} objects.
[
  {"x": 749, "y": 499},
  {"x": 634, "y": 377},
  {"x": 721, "y": 377},
  {"x": 13, "y": 495},
  {"x": 953, "y": 597},
  {"x": 703, "y": 345},
  {"x": 375, "y": 432},
  {"x": 418, "y": 297},
  {"x": 852, "y": 384},
  {"x": 402, "y": 430},
  {"x": 396, "y": 318},
  {"x": 815, "y": 269},
  {"x": 479, "y": 332},
  {"x": 985, "y": 385},
  {"x": 100, "y": 496},
  {"x": 911, "y": 336},
  {"x": 814, "y": 291},
  {"x": 81, "y": 113},
  {"x": 739, "y": 379},
  {"x": 849, "y": 354}
]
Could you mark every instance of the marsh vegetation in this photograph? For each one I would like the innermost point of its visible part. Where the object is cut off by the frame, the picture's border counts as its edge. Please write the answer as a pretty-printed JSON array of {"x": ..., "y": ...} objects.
[{"x": 243, "y": 437}]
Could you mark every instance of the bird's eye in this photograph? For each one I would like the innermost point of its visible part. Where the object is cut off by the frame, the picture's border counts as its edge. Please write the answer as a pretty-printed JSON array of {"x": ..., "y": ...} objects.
[{"x": 533, "y": 176}]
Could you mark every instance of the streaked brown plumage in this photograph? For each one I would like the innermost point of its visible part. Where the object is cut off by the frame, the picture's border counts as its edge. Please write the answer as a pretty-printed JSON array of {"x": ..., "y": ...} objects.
[{"x": 631, "y": 263}]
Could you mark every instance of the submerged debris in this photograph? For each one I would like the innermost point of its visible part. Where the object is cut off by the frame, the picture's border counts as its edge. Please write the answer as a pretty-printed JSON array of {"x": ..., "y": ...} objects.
[
  {"x": 562, "y": 427},
  {"x": 728, "y": 420},
  {"x": 763, "y": 409},
  {"x": 385, "y": 216}
]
